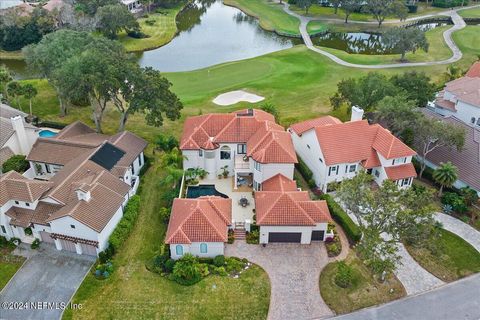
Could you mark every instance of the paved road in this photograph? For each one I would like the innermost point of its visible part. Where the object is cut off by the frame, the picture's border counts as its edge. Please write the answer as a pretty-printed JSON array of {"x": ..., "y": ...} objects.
[
  {"x": 458, "y": 21},
  {"x": 47, "y": 276},
  {"x": 459, "y": 300},
  {"x": 461, "y": 229}
]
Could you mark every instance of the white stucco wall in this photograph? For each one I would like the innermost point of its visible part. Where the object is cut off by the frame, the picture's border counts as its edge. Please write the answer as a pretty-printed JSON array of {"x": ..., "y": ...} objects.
[
  {"x": 62, "y": 226},
  {"x": 213, "y": 249},
  {"x": 107, "y": 231},
  {"x": 271, "y": 169}
]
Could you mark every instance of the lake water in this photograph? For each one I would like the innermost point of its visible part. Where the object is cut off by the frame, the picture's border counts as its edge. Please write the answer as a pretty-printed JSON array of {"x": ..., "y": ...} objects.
[
  {"x": 209, "y": 33},
  {"x": 9, "y": 3}
]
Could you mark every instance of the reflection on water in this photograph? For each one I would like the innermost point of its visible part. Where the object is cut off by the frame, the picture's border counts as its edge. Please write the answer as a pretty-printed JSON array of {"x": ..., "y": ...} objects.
[
  {"x": 9, "y": 3},
  {"x": 212, "y": 33},
  {"x": 361, "y": 42}
]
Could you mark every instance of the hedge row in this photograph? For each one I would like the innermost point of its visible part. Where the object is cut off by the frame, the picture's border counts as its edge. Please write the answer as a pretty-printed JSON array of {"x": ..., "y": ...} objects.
[
  {"x": 126, "y": 224},
  {"x": 341, "y": 217},
  {"x": 449, "y": 3},
  {"x": 305, "y": 172}
]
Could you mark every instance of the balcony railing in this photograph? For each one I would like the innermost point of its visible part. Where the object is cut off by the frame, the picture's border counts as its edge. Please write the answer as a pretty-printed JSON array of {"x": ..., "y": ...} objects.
[{"x": 241, "y": 164}]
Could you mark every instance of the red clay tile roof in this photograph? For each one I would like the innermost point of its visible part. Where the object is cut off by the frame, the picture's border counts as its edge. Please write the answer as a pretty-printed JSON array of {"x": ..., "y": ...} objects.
[
  {"x": 372, "y": 161},
  {"x": 301, "y": 127},
  {"x": 401, "y": 172},
  {"x": 24, "y": 217},
  {"x": 474, "y": 71},
  {"x": 267, "y": 142},
  {"x": 353, "y": 141},
  {"x": 465, "y": 89},
  {"x": 281, "y": 204},
  {"x": 279, "y": 183},
  {"x": 445, "y": 104},
  {"x": 14, "y": 186},
  {"x": 204, "y": 219}
]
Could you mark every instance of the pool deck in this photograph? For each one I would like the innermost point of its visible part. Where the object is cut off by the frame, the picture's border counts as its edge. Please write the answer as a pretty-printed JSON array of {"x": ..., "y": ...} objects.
[{"x": 225, "y": 186}]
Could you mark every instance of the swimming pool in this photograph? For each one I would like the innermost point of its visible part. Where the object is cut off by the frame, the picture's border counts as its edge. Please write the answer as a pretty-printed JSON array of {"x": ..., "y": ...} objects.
[
  {"x": 47, "y": 134},
  {"x": 203, "y": 190}
]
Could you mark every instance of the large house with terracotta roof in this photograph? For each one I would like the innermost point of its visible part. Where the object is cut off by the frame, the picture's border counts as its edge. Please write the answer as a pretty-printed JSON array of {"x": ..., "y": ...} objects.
[
  {"x": 461, "y": 98},
  {"x": 286, "y": 214},
  {"x": 75, "y": 191},
  {"x": 199, "y": 226},
  {"x": 335, "y": 151},
  {"x": 247, "y": 143}
]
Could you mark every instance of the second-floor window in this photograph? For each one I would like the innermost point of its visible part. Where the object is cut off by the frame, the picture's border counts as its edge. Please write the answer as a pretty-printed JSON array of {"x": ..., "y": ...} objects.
[
  {"x": 352, "y": 168},
  {"x": 241, "y": 148},
  {"x": 225, "y": 153},
  {"x": 200, "y": 153},
  {"x": 258, "y": 166},
  {"x": 333, "y": 171}
]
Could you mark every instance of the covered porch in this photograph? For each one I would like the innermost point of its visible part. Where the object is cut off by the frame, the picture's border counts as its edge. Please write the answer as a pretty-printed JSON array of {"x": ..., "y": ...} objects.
[{"x": 243, "y": 175}]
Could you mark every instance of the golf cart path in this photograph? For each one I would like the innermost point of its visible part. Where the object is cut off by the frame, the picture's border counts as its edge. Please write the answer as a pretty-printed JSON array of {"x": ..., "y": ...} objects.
[{"x": 458, "y": 22}]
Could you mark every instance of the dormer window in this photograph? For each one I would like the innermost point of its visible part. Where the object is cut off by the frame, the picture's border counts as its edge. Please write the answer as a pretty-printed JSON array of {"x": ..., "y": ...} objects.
[
  {"x": 16, "y": 202},
  {"x": 27, "y": 204},
  {"x": 72, "y": 226}
]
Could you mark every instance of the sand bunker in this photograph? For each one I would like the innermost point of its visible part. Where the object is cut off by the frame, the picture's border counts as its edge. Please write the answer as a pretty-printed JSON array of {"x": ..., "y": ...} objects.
[{"x": 232, "y": 97}]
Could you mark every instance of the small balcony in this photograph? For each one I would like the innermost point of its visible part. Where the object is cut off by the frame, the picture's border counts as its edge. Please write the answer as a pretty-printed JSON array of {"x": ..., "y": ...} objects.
[{"x": 242, "y": 164}]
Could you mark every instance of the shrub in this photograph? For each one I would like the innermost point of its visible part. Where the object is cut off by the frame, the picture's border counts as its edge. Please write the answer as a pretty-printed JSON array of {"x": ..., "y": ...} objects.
[
  {"x": 136, "y": 34},
  {"x": 16, "y": 163},
  {"x": 187, "y": 270},
  {"x": 219, "y": 261},
  {"x": 169, "y": 265},
  {"x": 35, "y": 244},
  {"x": 28, "y": 231},
  {"x": 103, "y": 270},
  {"x": 456, "y": 201},
  {"x": 231, "y": 236},
  {"x": 343, "y": 277},
  {"x": 150, "y": 22},
  {"x": 351, "y": 229},
  {"x": 305, "y": 172},
  {"x": 221, "y": 271},
  {"x": 164, "y": 215},
  {"x": 166, "y": 142},
  {"x": 449, "y": 3},
  {"x": 333, "y": 249},
  {"x": 126, "y": 224},
  {"x": 233, "y": 265},
  {"x": 253, "y": 237}
]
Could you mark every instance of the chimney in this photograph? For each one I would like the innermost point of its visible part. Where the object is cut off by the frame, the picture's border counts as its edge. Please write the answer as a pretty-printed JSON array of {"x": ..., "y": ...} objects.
[
  {"x": 82, "y": 194},
  {"x": 19, "y": 128},
  {"x": 357, "y": 113}
]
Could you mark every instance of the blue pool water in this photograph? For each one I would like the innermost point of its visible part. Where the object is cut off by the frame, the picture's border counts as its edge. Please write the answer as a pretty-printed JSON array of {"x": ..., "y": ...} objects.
[
  {"x": 47, "y": 134},
  {"x": 203, "y": 190}
]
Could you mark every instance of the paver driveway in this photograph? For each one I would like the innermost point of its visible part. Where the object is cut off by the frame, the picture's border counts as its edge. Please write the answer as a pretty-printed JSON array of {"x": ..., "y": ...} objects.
[
  {"x": 47, "y": 276},
  {"x": 294, "y": 272}
]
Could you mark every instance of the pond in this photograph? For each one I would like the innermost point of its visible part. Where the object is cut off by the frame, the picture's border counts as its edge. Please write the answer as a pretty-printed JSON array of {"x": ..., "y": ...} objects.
[
  {"x": 209, "y": 33},
  {"x": 361, "y": 42},
  {"x": 9, "y": 3}
]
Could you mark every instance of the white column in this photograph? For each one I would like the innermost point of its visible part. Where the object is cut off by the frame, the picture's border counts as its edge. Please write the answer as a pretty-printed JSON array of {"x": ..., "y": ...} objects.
[
  {"x": 236, "y": 181},
  {"x": 78, "y": 248},
  {"x": 58, "y": 244}
]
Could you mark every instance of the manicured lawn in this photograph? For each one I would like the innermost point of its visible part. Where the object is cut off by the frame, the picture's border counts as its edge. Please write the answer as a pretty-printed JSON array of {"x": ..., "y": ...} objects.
[
  {"x": 161, "y": 32},
  {"x": 470, "y": 13},
  {"x": 365, "y": 291},
  {"x": 316, "y": 27},
  {"x": 467, "y": 40},
  {"x": 9, "y": 264},
  {"x": 132, "y": 292},
  {"x": 438, "y": 51},
  {"x": 455, "y": 257},
  {"x": 271, "y": 15}
]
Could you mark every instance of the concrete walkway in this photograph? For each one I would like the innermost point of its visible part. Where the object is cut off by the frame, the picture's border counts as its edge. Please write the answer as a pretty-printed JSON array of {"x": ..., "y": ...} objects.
[
  {"x": 460, "y": 228},
  {"x": 458, "y": 21},
  {"x": 456, "y": 300}
]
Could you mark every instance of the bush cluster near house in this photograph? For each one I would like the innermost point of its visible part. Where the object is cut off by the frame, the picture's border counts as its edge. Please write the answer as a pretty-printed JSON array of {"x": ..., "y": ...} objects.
[
  {"x": 306, "y": 173},
  {"x": 253, "y": 237},
  {"x": 333, "y": 245},
  {"x": 189, "y": 269},
  {"x": 341, "y": 217},
  {"x": 16, "y": 163}
]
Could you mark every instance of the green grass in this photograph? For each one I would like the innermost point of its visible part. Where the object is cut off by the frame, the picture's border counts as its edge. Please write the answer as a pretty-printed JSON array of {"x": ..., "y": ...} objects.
[
  {"x": 438, "y": 51},
  {"x": 159, "y": 34},
  {"x": 271, "y": 15},
  {"x": 132, "y": 292},
  {"x": 11, "y": 55},
  {"x": 314, "y": 27},
  {"x": 9, "y": 264},
  {"x": 365, "y": 291},
  {"x": 467, "y": 41},
  {"x": 455, "y": 257},
  {"x": 470, "y": 13}
]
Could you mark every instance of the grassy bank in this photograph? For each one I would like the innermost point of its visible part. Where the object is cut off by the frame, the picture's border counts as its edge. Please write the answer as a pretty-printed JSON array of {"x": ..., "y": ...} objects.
[
  {"x": 438, "y": 51},
  {"x": 160, "y": 28},
  {"x": 271, "y": 15},
  {"x": 132, "y": 292},
  {"x": 364, "y": 291},
  {"x": 455, "y": 258},
  {"x": 470, "y": 13},
  {"x": 9, "y": 264},
  {"x": 11, "y": 55}
]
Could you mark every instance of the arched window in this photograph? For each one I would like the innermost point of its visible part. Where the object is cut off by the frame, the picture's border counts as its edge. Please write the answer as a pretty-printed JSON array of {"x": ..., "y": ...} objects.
[
  {"x": 225, "y": 153},
  {"x": 179, "y": 250},
  {"x": 203, "y": 248}
]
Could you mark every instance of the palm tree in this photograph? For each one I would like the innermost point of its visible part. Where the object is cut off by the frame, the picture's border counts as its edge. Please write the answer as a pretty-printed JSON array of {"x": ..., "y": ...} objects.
[
  {"x": 446, "y": 175},
  {"x": 30, "y": 92},
  {"x": 173, "y": 158},
  {"x": 173, "y": 176},
  {"x": 15, "y": 90},
  {"x": 5, "y": 78}
]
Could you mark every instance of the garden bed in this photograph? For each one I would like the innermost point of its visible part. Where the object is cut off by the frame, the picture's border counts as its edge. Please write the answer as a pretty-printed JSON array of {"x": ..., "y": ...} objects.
[{"x": 364, "y": 290}]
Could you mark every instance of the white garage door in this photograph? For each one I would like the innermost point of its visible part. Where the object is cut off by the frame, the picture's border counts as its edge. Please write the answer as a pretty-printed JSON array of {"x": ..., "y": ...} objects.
[{"x": 46, "y": 237}]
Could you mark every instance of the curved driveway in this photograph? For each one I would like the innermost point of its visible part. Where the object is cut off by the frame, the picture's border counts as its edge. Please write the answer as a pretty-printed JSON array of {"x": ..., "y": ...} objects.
[
  {"x": 458, "y": 21},
  {"x": 461, "y": 229}
]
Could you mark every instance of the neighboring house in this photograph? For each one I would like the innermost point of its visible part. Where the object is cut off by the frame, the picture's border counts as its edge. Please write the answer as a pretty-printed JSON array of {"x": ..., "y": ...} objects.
[
  {"x": 467, "y": 160},
  {"x": 286, "y": 214},
  {"x": 16, "y": 135},
  {"x": 461, "y": 98},
  {"x": 199, "y": 226},
  {"x": 335, "y": 151},
  {"x": 76, "y": 201},
  {"x": 132, "y": 5},
  {"x": 247, "y": 143}
]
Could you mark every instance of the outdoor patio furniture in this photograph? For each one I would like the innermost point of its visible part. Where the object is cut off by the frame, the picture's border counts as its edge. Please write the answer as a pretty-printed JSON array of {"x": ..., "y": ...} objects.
[{"x": 243, "y": 202}]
